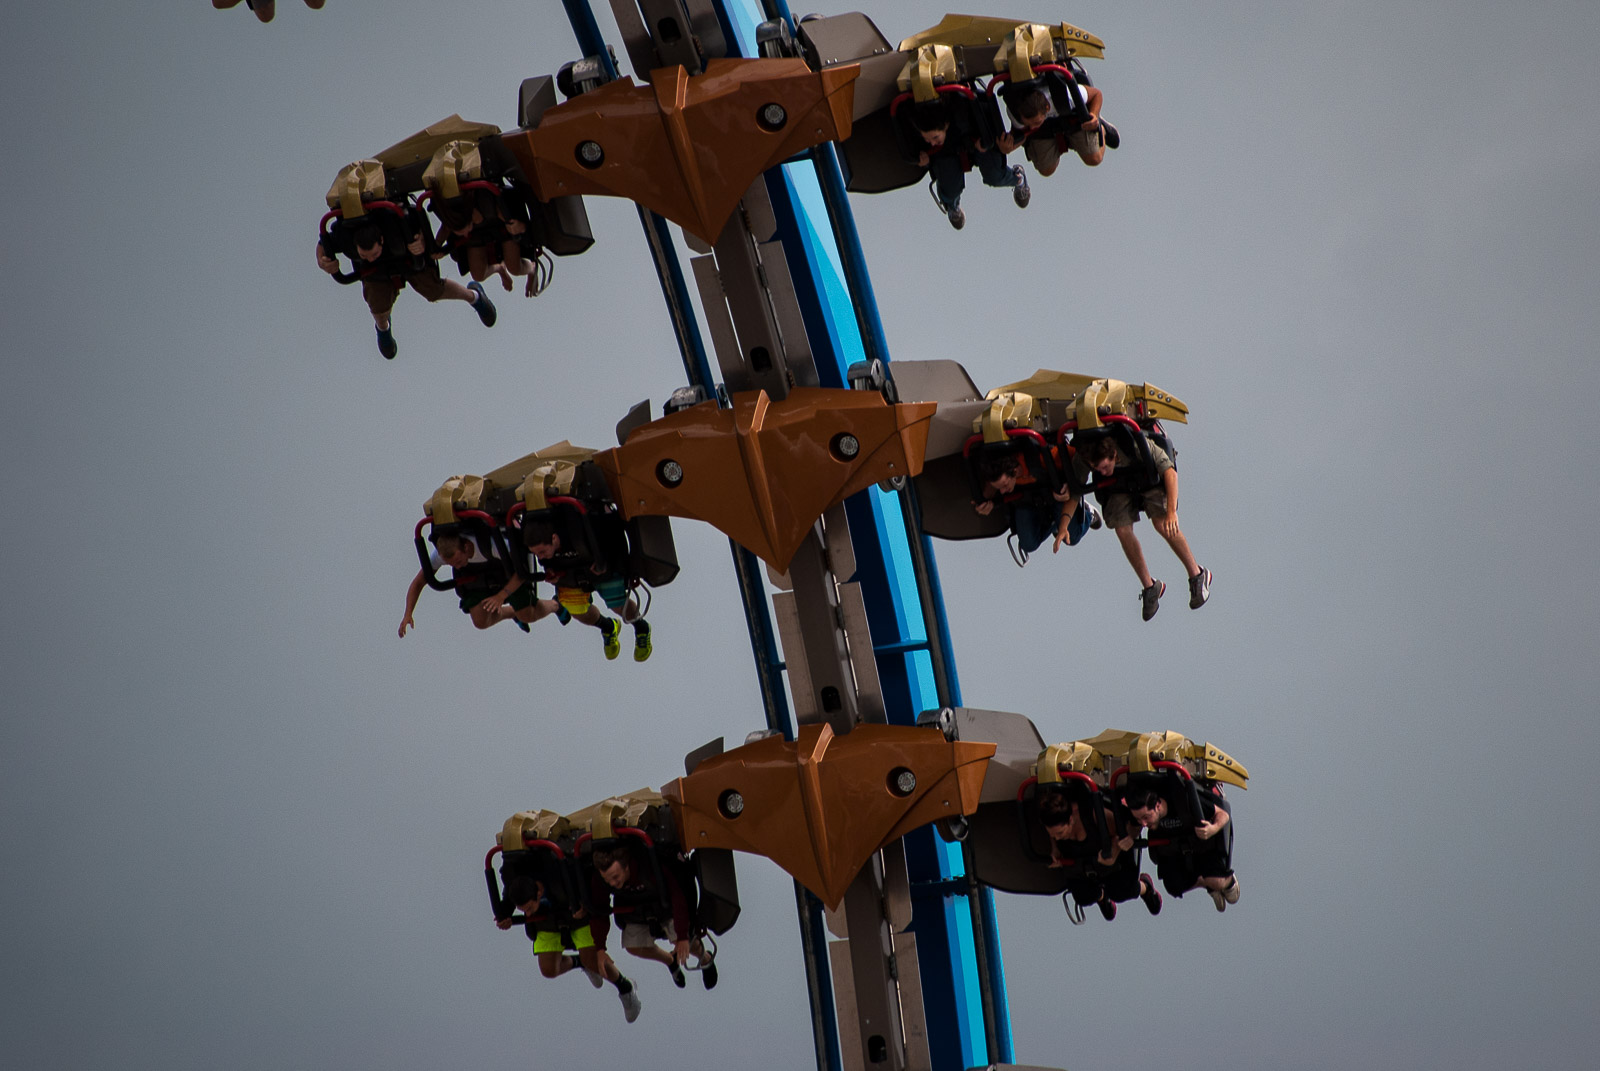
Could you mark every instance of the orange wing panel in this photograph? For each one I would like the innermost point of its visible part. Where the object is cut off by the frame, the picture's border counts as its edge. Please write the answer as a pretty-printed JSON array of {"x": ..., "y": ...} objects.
[
  {"x": 686, "y": 148},
  {"x": 762, "y": 472},
  {"x": 821, "y": 805}
]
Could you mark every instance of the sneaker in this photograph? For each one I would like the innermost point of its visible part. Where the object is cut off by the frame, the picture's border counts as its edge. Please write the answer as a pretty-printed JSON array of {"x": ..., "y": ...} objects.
[
  {"x": 631, "y": 1004},
  {"x": 1019, "y": 190},
  {"x": 1231, "y": 893},
  {"x": 958, "y": 218},
  {"x": 593, "y": 976},
  {"x": 1096, "y": 522},
  {"x": 677, "y": 975},
  {"x": 641, "y": 641},
  {"x": 708, "y": 975},
  {"x": 1108, "y": 910},
  {"x": 608, "y": 633},
  {"x": 1109, "y": 134},
  {"x": 482, "y": 306},
  {"x": 563, "y": 615},
  {"x": 386, "y": 343},
  {"x": 1151, "y": 598},
  {"x": 1219, "y": 899},
  {"x": 1148, "y": 893},
  {"x": 1199, "y": 589}
]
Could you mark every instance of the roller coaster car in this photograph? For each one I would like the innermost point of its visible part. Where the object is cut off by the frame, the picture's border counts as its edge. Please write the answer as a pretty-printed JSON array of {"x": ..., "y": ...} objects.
[
  {"x": 686, "y": 148},
  {"x": 945, "y": 61},
  {"x": 1009, "y": 848},
  {"x": 762, "y": 472},
  {"x": 820, "y": 806},
  {"x": 453, "y": 153},
  {"x": 562, "y": 484},
  {"x": 1033, "y": 419}
]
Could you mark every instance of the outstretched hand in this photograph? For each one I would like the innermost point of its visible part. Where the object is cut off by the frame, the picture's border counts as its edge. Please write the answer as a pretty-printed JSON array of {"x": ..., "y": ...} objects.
[
  {"x": 405, "y": 623},
  {"x": 680, "y": 952}
]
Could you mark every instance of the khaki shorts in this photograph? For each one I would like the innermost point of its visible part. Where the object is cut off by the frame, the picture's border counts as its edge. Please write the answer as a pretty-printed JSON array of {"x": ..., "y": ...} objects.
[
  {"x": 1118, "y": 510},
  {"x": 637, "y": 934},
  {"x": 381, "y": 291},
  {"x": 1045, "y": 153}
]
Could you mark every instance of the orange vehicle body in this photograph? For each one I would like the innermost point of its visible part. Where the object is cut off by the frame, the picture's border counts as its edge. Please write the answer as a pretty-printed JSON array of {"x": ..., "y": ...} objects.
[
  {"x": 821, "y": 805},
  {"x": 762, "y": 472},
  {"x": 686, "y": 148}
]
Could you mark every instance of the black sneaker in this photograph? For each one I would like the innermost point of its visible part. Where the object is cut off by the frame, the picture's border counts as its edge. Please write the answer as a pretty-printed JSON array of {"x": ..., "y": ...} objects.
[
  {"x": 1199, "y": 589},
  {"x": 958, "y": 218},
  {"x": 708, "y": 975},
  {"x": 1109, "y": 133},
  {"x": 1019, "y": 191},
  {"x": 677, "y": 975},
  {"x": 1148, "y": 893},
  {"x": 1108, "y": 910},
  {"x": 642, "y": 645},
  {"x": 386, "y": 343},
  {"x": 483, "y": 306},
  {"x": 563, "y": 615},
  {"x": 1150, "y": 597}
]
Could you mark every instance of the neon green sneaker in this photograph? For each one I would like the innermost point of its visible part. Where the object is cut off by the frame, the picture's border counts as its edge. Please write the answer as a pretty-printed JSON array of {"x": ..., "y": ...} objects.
[
  {"x": 608, "y": 632},
  {"x": 641, "y": 641}
]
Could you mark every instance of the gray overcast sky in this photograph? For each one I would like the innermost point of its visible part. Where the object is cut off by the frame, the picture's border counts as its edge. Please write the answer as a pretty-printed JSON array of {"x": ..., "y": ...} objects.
[{"x": 242, "y": 822}]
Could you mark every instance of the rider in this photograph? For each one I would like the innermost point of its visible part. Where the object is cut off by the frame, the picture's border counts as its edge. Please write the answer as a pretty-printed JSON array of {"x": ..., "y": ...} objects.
[
  {"x": 481, "y": 600},
  {"x": 1190, "y": 851},
  {"x": 574, "y": 575},
  {"x": 554, "y": 929},
  {"x": 938, "y": 146},
  {"x": 1032, "y": 108},
  {"x": 1106, "y": 875},
  {"x": 1008, "y": 480},
  {"x": 638, "y": 904},
  {"x": 385, "y": 271},
  {"x": 1153, "y": 489}
]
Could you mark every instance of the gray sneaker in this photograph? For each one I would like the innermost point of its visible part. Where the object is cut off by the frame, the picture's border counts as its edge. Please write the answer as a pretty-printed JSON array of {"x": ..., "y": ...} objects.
[
  {"x": 631, "y": 1004},
  {"x": 1231, "y": 893},
  {"x": 1199, "y": 589},
  {"x": 1020, "y": 192},
  {"x": 1219, "y": 899},
  {"x": 1150, "y": 598},
  {"x": 593, "y": 976}
]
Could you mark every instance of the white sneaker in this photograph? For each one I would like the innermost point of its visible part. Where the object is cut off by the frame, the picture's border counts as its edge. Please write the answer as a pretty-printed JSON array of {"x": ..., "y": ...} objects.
[
  {"x": 1218, "y": 899},
  {"x": 1096, "y": 522},
  {"x": 631, "y": 1004},
  {"x": 1231, "y": 893},
  {"x": 593, "y": 976}
]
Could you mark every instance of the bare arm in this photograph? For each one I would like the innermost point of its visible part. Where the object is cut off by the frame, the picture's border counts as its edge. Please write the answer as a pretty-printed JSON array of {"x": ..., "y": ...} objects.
[
  {"x": 1206, "y": 830},
  {"x": 1168, "y": 525},
  {"x": 413, "y": 593}
]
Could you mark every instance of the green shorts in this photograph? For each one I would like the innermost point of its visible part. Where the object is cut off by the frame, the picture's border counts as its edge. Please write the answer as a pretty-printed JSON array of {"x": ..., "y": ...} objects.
[{"x": 556, "y": 940}]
